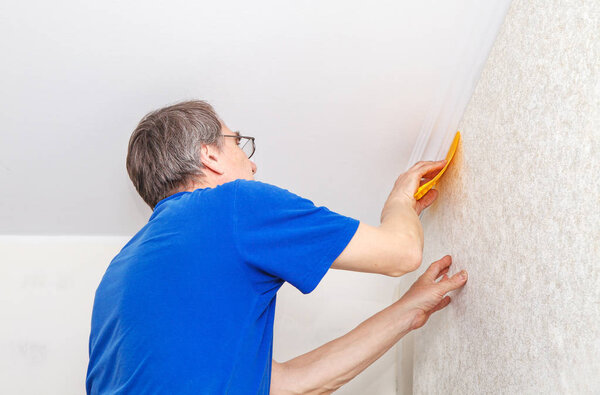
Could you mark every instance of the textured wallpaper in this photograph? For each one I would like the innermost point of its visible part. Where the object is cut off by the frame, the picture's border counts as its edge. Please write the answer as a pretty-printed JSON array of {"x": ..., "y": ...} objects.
[{"x": 520, "y": 210}]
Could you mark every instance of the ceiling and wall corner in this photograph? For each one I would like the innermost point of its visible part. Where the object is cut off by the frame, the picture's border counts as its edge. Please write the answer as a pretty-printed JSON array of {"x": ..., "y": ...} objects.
[
  {"x": 343, "y": 87},
  {"x": 446, "y": 110}
]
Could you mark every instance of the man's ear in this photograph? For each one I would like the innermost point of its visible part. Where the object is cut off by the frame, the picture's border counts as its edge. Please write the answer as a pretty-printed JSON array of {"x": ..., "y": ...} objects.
[{"x": 210, "y": 158}]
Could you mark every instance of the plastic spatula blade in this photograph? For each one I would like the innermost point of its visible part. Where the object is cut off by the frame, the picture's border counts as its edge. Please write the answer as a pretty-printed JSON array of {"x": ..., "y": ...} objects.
[{"x": 423, "y": 189}]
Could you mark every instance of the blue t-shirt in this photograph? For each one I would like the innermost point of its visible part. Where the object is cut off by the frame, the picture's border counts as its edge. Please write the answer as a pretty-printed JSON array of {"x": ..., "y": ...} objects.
[{"x": 187, "y": 306}]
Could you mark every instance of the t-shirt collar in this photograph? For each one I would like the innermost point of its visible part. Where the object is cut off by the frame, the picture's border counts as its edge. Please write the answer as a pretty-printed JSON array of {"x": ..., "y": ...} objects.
[{"x": 169, "y": 198}]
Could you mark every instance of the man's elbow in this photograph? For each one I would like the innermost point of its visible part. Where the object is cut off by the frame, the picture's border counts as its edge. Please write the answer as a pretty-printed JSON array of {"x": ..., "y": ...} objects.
[
  {"x": 409, "y": 260},
  {"x": 403, "y": 251}
]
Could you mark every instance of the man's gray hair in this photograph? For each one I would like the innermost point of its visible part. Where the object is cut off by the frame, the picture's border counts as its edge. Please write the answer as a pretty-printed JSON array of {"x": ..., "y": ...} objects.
[{"x": 163, "y": 156}]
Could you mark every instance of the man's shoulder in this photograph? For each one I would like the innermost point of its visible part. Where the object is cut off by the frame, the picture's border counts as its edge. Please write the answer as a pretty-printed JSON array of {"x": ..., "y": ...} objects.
[
  {"x": 254, "y": 189},
  {"x": 256, "y": 193},
  {"x": 242, "y": 183}
]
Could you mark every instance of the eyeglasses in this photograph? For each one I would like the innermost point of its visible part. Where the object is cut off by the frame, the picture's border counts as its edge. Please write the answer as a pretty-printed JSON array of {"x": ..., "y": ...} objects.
[{"x": 243, "y": 143}]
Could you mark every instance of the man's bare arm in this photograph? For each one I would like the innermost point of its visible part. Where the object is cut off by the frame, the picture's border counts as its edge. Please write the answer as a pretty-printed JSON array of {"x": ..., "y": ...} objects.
[
  {"x": 400, "y": 214},
  {"x": 376, "y": 250},
  {"x": 396, "y": 246},
  {"x": 327, "y": 368}
]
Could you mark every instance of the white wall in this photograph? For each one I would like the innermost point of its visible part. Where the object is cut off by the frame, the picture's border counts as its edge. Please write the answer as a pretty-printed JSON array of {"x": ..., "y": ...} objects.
[
  {"x": 47, "y": 286},
  {"x": 519, "y": 209}
]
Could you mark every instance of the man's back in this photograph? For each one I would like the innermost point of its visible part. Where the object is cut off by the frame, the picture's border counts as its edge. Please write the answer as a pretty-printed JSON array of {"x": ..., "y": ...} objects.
[{"x": 187, "y": 306}]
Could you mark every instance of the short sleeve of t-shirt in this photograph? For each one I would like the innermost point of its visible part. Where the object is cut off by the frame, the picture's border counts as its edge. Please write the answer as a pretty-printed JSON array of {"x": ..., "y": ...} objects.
[{"x": 282, "y": 236}]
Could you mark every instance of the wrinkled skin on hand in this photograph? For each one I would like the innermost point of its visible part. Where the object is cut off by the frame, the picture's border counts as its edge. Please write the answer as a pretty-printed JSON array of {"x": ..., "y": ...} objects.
[{"x": 426, "y": 295}]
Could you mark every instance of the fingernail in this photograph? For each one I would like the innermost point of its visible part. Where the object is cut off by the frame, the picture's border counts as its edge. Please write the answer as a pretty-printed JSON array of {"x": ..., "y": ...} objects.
[{"x": 463, "y": 274}]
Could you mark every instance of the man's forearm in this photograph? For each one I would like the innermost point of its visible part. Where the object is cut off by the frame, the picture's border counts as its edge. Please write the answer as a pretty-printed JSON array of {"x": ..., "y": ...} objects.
[{"x": 330, "y": 366}]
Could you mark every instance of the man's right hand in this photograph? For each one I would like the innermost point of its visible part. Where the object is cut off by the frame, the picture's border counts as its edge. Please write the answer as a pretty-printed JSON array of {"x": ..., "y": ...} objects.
[
  {"x": 426, "y": 296},
  {"x": 408, "y": 183}
]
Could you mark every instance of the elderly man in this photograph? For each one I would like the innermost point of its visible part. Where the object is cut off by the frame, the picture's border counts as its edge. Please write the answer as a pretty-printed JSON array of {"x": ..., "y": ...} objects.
[{"x": 187, "y": 305}]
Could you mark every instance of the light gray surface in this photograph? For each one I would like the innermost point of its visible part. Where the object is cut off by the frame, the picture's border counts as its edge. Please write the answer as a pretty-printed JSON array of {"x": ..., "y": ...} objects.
[
  {"x": 520, "y": 210},
  {"x": 47, "y": 290},
  {"x": 334, "y": 92}
]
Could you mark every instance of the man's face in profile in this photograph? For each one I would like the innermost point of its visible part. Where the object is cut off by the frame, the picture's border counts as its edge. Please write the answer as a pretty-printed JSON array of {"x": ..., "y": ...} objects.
[{"x": 235, "y": 160}]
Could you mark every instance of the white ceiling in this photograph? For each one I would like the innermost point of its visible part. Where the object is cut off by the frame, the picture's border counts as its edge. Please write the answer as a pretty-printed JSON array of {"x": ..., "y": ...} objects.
[{"x": 335, "y": 92}]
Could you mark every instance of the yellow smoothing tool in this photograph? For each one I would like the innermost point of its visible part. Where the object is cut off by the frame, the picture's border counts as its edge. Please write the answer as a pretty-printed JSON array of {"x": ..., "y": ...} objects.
[{"x": 423, "y": 189}]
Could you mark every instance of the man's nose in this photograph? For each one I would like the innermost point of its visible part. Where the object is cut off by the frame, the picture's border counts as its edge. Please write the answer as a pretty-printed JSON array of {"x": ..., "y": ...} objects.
[{"x": 254, "y": 167}]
